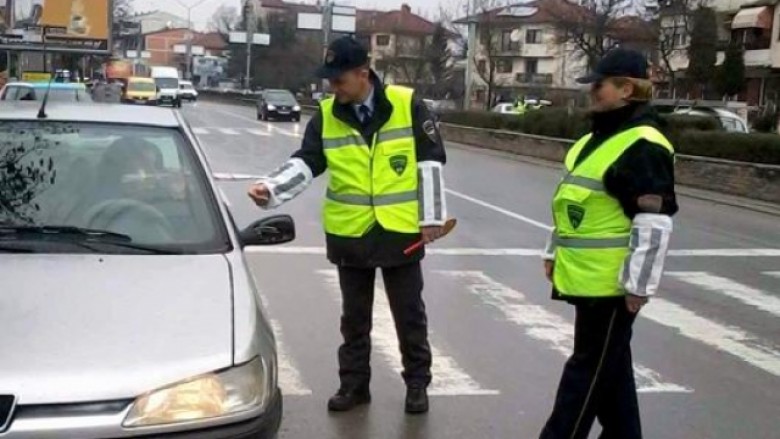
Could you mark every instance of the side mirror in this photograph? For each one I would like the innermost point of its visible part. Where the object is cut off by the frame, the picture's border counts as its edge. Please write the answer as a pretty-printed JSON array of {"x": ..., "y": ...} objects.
[{"x": 274, "y": 230}]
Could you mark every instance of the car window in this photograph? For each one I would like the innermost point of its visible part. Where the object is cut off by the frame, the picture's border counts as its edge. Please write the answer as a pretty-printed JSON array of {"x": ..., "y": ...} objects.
[
  {"x": 141, "y": 86},
  {"x": 730, "y": 125},
  {"x": 167, "y": 82},
  {"x": 280, "y": 97},
  {"x": 143, "y": 182}
]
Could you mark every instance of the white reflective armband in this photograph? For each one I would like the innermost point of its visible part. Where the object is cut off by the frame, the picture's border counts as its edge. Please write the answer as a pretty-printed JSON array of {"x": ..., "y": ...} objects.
[
  {"x": 287, "y": 182},
  {"x": 642, "y": 270},
  {"x": 433, "y": 203}
]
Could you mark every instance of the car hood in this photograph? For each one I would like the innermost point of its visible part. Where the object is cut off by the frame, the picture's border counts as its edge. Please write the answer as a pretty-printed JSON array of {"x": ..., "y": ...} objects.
[{"x": 78, "y": 328}]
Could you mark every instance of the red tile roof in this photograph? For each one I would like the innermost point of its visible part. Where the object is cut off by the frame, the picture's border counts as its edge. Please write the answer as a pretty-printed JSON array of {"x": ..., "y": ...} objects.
[
  {"x": 547, "y": 11},
  {"x": 210, "y": 40},
  {"x": 402, "y": 21}
]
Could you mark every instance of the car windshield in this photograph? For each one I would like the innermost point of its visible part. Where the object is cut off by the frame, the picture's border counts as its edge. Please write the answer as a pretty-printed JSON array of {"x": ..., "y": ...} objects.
[
  {"x": 280, "y": 97},
  {"x": 142, "y": 182},
  {"x": 27, "y": 93},
  {"x": 141, "y": 86},
  {"x": 167, "y": 82}
]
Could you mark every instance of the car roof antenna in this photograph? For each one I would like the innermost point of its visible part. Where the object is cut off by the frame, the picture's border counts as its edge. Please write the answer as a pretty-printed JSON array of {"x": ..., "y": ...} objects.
[{"x": 42, "y": 110}]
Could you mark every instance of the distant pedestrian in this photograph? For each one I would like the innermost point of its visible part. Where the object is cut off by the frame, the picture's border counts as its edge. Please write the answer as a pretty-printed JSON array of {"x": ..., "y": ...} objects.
[{"x": 613, "y": 221}]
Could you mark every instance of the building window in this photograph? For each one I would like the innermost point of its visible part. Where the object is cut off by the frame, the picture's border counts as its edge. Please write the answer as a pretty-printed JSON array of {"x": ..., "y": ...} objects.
[
  {"x": 531, "y": 66},
  {"x": 507, "y": 45},
  {"x": 533, "y": 36},
  {"x": 383, "y": 40},
  {"x": 504, "y": 66},
  {"x": 482, "y": 66}
]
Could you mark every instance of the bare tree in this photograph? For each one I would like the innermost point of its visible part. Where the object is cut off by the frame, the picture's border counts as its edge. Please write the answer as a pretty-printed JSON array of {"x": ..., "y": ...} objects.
[
  {"x": 224, "y": 20},
  {"x": 408, "y": 64},
  {"x": 673, "y": 23},
  {"x": 593, "y": 27}
]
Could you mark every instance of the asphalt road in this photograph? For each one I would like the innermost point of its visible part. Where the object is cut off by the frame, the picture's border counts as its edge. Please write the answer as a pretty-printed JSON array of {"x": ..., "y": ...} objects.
[{"x": 707, "y": 351}]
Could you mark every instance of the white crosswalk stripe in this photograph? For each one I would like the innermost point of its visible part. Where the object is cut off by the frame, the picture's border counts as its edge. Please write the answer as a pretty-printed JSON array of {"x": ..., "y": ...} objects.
[
  {"x": 717, "y": 284},
  {"x": 290, "y": 380},
  {"x": 228, "y": 131},
  {"x": 734, "y": 341},
  {"x": 544, "y": 325},
  {"x": 200, "y": 131},
  {"x": 263, "y": 133},
  {"x": 449, "y": 378},
  {"x": 772, "y": 273}
]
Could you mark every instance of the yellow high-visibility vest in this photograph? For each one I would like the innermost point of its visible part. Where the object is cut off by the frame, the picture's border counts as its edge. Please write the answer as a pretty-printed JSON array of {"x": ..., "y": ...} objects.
[
  {"x": 375, "y": 183},
  {"x": 592, "y": 232}
]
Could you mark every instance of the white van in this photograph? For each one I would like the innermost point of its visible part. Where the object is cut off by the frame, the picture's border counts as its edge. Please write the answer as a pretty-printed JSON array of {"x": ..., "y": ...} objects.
[{"x": 167, "y": 80}]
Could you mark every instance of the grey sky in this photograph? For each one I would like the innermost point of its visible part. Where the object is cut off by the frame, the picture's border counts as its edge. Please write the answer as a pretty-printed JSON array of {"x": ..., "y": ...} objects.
[{"x": 202, "y": 14}]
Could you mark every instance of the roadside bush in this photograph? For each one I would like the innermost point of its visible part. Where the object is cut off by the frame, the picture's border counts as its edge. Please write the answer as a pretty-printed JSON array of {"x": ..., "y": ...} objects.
[
  {"x": 676, "y": 123},
  {"x": 767, "y": 122},
  {"x": 481, "y": 119},
  {"x": 755, "y": 147},
  {"x": 555, "y": 122}
]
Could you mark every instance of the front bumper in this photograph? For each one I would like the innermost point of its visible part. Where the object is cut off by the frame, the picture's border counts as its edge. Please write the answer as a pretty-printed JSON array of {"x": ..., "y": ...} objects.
[
  {"x": 277, "y": 114},
  {"x": 167, "y": 100},
  {"x": 56, "y": 422}
]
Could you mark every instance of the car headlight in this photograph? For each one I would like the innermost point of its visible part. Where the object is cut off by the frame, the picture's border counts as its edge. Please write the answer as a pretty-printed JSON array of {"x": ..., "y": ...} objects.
[
  {"x": 297, "y": 108},
  {"x": 271, "y": 107},
  {"x": 207, "y": 396}
]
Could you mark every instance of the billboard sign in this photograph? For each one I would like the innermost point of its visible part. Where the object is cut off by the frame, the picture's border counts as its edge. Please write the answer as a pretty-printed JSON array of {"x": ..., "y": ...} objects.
[{"x": 67, "y": 25}]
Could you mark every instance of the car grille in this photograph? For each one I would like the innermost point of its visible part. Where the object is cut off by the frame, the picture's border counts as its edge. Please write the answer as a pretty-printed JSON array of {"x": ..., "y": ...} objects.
[{"x": 7, "y": 403}]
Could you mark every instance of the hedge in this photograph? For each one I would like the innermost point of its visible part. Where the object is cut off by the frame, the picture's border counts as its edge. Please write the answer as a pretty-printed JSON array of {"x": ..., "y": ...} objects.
[{"x": 691, "y": 135}]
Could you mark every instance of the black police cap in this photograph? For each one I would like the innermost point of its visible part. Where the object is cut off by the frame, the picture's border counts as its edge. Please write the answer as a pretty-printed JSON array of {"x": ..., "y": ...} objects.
[
  {"x": 343, "y": 55},
  {"x": 619, "y": 62}
]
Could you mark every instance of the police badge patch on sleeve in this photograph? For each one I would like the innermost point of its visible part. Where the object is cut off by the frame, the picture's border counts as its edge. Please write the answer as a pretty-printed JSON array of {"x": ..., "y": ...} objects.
[{"x": 429, "y": 127}]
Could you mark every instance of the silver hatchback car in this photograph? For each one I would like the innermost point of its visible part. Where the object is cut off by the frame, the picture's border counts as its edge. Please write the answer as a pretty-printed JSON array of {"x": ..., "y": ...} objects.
[{"x": 126, "y": 307}]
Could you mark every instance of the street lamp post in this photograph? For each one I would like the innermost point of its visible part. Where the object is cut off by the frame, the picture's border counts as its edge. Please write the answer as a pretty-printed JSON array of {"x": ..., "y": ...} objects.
[{"x": 189, "y": 8}]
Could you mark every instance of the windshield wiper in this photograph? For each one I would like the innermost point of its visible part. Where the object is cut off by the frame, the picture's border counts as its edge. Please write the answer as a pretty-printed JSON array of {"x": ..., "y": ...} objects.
[
  {"x": 88, "y": 239},
  {"x": 88, "y": 234}
]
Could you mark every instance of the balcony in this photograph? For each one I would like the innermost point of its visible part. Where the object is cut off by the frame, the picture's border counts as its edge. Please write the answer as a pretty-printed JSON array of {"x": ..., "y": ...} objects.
[
  {"x": 757, "y": 58},
  {"x": 534, "y": 78}
]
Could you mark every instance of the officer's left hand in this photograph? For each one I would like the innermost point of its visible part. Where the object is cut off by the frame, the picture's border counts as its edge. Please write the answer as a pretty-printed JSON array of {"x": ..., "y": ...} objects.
[
  {"x": 635, "y": 303},
  {"x": 431, "y": 233}
]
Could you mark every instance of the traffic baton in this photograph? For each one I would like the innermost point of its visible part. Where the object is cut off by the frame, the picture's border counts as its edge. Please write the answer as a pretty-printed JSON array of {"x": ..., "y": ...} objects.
[{"x": 446, "y": 229}]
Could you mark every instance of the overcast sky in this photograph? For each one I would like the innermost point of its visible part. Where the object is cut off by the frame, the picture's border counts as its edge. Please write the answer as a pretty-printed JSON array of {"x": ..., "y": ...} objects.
[{"x": 202, "y": 14}]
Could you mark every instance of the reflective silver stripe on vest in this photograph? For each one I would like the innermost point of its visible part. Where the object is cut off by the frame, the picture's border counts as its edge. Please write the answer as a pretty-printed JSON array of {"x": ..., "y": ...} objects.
[
  {"x": 340, "y": 142},
  {"x": 396, "y": 134},
  {"x": 589, "y": 243},
  {"x": 588, "y": 183},
  {"x": 367, "y": 200}
]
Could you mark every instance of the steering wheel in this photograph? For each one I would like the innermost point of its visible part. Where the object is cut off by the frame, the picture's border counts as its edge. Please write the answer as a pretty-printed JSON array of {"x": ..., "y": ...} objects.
[{"x": 106, "y": 214}]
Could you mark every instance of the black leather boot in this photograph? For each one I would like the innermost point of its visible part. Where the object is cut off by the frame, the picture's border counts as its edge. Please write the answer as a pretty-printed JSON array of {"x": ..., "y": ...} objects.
[
  {"x": 346, "y": 400},
  {"x": 416, "y": 400}
]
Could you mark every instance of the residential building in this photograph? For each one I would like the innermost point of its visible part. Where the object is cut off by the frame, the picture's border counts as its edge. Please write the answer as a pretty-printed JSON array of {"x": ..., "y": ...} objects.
[
  {"x": 397, "y": 41},
  {"x": 156, "y": 21},
  {"x": 165, "y": 46}
]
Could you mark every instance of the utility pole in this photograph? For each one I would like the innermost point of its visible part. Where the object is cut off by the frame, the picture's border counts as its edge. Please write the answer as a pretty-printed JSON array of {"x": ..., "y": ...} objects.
[
  {"x": 327, "y": 25},
  {"x": 189, "y": 8},
  {"x": 251, "y": 26}
]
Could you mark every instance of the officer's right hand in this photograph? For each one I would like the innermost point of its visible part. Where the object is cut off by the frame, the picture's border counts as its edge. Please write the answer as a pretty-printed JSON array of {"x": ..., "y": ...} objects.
[
  {"x": 260, "y": 194},
  {"x": 549, "y": 266}
]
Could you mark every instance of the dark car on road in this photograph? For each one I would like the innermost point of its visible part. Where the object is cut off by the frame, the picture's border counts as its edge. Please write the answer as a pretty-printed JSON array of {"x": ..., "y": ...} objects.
[{"x": 278, "y": 104}]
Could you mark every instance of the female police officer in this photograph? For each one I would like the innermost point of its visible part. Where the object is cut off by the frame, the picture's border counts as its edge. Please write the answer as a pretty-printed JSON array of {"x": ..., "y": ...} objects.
[{"x": 612, "y": 215}]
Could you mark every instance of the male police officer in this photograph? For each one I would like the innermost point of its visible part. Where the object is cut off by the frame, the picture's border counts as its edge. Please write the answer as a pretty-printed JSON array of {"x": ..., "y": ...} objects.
[
  {"x": 384, "y": 156},
  {"x": 613, "y": 221}
]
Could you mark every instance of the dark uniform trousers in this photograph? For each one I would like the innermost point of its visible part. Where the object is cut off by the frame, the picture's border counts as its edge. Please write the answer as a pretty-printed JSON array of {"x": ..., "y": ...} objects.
[
  {"x": 598, "y": 379},
  {"x": 404, "y": 285}
]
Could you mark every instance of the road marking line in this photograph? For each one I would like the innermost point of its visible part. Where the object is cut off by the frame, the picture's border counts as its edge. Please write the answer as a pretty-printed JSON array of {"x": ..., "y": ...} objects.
[
  {"x": 731, "y": 340},
  {"x": 448, "y": 377},
  {"x": 290, "y": 380},
  {"x": 745, "y": 294},
  {"x": 200, "y": 131},
  {"x": 501, "y": 210},
  {"x": 544, "y": 325},
  {"x": 524, "y": 252},
  {"x": 241, "y": 116},
  {"x": 772, "y": 273},
  {"x": 228, "y": 131},
  {"x": 259, "y": 132}
]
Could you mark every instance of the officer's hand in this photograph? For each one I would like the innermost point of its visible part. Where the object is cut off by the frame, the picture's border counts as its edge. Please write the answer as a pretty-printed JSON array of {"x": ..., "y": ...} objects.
[
  {"x": 635, "y": 303},
  {"x": 259, "y": 194},
  {"x": 431, "y": 233},
  {"x": 549, "y": 266}
]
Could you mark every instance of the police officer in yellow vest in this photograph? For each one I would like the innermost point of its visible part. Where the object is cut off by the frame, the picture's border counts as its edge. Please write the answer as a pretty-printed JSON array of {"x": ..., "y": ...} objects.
[
  {"x": 384, "y": 155},
  {"x": 612, "y": 214}
]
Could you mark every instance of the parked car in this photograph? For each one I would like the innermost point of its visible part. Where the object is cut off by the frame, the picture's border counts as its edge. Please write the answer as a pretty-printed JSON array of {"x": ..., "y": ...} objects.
[
  {"x": 35, "y": 91},
  {"x": 128, "y": 307},
  {"x": 730, "y": 121},
  {"x": 187, "y": 91},
  {"x": 278, "y": 104},
  {"x": 505, "y": 108},
  {"x": 141, "y": 91}
]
